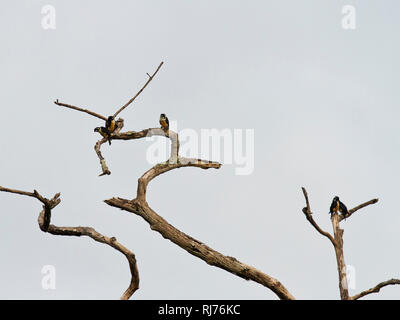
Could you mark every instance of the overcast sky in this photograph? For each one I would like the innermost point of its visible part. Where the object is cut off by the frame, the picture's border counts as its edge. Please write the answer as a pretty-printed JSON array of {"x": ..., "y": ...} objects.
[{"x": 323, "y": 102}]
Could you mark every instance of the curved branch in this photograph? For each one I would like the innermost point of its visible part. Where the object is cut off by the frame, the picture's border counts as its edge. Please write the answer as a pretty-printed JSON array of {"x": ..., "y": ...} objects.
[
  {"x": 112, "y": 242},
  {"x": 140, "y": 207},
  {"x": 376, "y": 288},
  {"x": 308, "y": 213},
  {"x": 166, "y": 166},
  {"x": 45, "y": 226},
  {"x": 199, "y": 249},
  {"x": 105, "y": 171},
  {"x": 132, "y": 135},
  {"x": 150, "y": 132},
  {"x": 104, "y": 168}
]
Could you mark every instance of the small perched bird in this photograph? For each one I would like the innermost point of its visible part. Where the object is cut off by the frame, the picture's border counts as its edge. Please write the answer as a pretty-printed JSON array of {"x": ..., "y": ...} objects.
[
  {"x": 164, "y": 122},
  {"x": 337, "y": 205},
  {"x": 110, "y": 124},
  {"x": 104, "y": 133}
]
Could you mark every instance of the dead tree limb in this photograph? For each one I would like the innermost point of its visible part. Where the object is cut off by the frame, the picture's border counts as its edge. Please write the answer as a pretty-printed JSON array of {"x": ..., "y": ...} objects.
[
  {"x": 341, "y": 265},
  {"x": 375, "y": 289},
  {"x": 139, "y": 206},
  {"x": 94, "y": 114},
  {"x": 45, "y": 226},
  {"x": 140, "y": 91},
  {"x": 119, "y": 123},
  {"x": 307, "y": 211},
  {"x": 132, "y": 135},
  {"x": 120, "y": 109},
  {"x": 337, "y": 242},
  {"x": 351, "y": 211}
]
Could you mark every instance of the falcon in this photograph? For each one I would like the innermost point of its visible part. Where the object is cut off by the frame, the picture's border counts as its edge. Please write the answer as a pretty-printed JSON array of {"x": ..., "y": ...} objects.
[
  {"x": 338, "y": 206},
  {"x": 164, "y": 122}
]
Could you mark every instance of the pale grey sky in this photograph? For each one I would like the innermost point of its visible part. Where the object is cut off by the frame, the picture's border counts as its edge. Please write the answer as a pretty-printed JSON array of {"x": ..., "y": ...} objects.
[{"x": 323, "y": 103}]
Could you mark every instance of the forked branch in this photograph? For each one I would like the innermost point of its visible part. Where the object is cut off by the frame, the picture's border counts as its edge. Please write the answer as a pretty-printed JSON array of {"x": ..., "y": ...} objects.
[
  {"x": 140, "y": 207},
  {"x": 45, "y": 226},
  {"x": 337, "y": 242}
]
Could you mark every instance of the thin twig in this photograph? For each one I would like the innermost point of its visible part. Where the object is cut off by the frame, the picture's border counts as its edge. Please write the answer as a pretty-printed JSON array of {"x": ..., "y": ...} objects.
[
  {"x": 80, "y": 109},
  {"x": 24, "y": 193},
  {"x": 139, "y": 92},
  {"x": 376, "y": 288}
]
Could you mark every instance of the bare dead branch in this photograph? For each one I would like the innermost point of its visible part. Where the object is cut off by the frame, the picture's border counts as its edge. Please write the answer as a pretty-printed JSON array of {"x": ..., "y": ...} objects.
[
  {"x": 104, "y": 168},
  {"x": 45, "y": 226},
  {"x": 199, "y": 249},
  {"x": 140, "y": 207},
  {"x": 119, "y": 110},
  {"x": 341, "y": 265},
  {"x": 105, "y": 171},
  {"x": 308, "y": 213},
  {"x": 132, "y": 135},
  {"x": 140, "y": 91},
  {"x": 33, "y": 194},
  {"x": 375, "y": 289},
  {"x": 167, "y": 166},
  {"x": 351, "y": 211},
  {"x": 80, "y": 109},
  {"x": 337, "y": 242}
]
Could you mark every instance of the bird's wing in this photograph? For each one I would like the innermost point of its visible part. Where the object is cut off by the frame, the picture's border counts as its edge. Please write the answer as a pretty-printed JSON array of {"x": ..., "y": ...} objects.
[
  {"x": 343, "y": 208},
  {"x": 333, "y": 205}
]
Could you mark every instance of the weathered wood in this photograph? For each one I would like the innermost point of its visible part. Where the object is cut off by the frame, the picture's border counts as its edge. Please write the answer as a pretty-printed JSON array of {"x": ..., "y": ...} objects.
[
  {"x": 341, "y": 265},
  {"x": 199, "y": 249}
]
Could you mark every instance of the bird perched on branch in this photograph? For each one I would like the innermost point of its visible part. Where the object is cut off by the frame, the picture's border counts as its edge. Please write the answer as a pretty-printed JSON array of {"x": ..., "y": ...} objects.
[
  {"x": 164, "y": 122},
  {"x": 104, "y": 133},
  {"x": 338, "y": 206},
  {"x": 110, "y": 124},
  {"x": 108, "y": 129}
]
